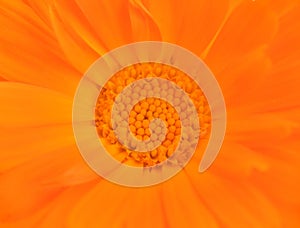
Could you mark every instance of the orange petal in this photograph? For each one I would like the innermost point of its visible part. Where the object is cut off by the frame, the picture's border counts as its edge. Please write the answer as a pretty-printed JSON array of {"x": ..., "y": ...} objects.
[
  {"x": 75, "y": 21},
  {"x": 285, "y": 47},
  {"x": 100, "y": 203},
  {"x": 261, "y": 129},
  {"x": 144, "y": 206},
  {"x": 78, "y": 52},
  {"x": 284, "y": 168},
  {"x": 226, "y": 198},
  {"x": 281, "y": 7},
  {"x": 147, "y": 209},
  {"x": 22, "y": 191},
  {"x": 250, "y": 26},
  {"x": 41, "y": 9},
  {"x": 20, "y": 145},
  {"x": 35, "y": 180},
  {"x": 110, "y": 205},
  {"x": 164, "y": 14},
  {"x": 183, "y": 206},
  {"x": 191, "y": 24},
  {"x": 284, "y": 163},
  {"x": 241, "y": 78},
  {"x": 24, "y": 105},
  {"x": 36, "y": 58},
  {"x": 236, "y": 161},
  {"x": 59, "y": 209},
  {"x": 266, "y": 90},
  {"x": 55, "y": 212},
  {"x": 280, "y": 92},
  {"x": 105, "y": 18},
  {"x": 28, "y": 149},
  {"x": 280, "y": 181},
  {"x": 142, "y": 23},
  {"x": 29, "y": 221}
]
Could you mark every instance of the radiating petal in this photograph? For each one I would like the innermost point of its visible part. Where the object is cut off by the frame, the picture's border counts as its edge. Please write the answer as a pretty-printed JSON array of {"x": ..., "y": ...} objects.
[
  {"x": 79, "y": 53},
  {"x": 281, "y": 181},
  {"x": 147, "y": 209},
  {"x": 279, "y": 90},
  {"x": 285, "y": 46},
  {"x": 142, "y": 23},
  {"x": 236, "y": 161},
  {"x": 191, "y": 24},
  {"x": 183, "y": 206},
  {"x": 241, "y": 78},
  {"x": 29, "y": 221},
  {"x": 30, "y": 106},
  {"x": 41, "y": 9},
  {"x": 29, "y": 53},
  {"x": 234, "y": 202},
  {"x": 55, "y": 212},
  {"x": 21, "y": 144},
  {"x": 261, "y": 129},
  {"x": 30, "y": 186},
  {"x": 250, "y": 26},
  {"x": 78, "y": 26},
  {"x": 59, "y": 209},
  {"x": 281, "y": 7},
  {"x": 110, "y": 205},
  {"x": 105, "y": 18}
]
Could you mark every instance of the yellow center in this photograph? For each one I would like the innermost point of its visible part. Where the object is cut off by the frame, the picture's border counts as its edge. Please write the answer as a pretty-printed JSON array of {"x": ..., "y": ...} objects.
[{"x": 145, "y": 111}]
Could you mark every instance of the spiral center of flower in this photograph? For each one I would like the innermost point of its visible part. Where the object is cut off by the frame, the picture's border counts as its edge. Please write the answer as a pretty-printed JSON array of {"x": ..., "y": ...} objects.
[{"x": 146, "y": 110}]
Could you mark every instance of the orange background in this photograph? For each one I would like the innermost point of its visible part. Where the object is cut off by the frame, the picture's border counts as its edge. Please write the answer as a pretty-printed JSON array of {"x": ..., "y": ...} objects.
[{"x": 253, "y": 49}]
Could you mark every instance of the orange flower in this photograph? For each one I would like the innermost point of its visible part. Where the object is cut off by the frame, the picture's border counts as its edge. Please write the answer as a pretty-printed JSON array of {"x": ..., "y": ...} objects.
[{"x": 253, "y": 49}]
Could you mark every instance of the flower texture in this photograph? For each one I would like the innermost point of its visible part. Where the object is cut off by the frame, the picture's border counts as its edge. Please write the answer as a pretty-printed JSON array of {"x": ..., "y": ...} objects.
[{"x": 251, "y": 46}]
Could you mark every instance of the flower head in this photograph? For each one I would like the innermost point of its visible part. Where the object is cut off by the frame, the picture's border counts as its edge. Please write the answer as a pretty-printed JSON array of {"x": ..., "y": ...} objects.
[{"x": 253, "y": 49}]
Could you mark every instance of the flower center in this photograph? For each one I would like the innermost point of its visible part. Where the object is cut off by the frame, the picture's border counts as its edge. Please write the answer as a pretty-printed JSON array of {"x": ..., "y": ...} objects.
[{"x": 146, "y": 110}]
